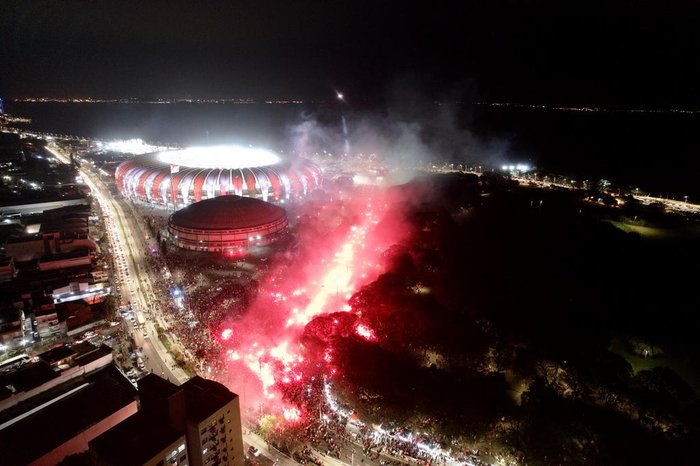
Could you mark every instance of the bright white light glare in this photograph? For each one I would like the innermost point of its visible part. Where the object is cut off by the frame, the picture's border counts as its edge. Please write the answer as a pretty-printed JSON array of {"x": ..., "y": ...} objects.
[
  {"x": 340, "y": 95},
  {"x": 521, "y": 167},
  {"x": 130, "y": 146},
  {"x": 219, "y": 157},
  {"x": 361, "y": 179}
]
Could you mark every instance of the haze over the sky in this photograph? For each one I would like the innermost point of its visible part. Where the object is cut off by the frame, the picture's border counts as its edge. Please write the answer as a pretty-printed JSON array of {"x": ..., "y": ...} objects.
[{"x": 628, "y": 52}]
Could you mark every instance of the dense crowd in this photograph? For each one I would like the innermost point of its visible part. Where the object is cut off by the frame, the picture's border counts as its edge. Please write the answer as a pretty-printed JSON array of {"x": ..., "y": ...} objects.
[
  {"x": 205, "y": 297},
  {"x": 212, "y": 292},
  {"x": 307, "y": 456},
  {"x": 394, "y": 443}
]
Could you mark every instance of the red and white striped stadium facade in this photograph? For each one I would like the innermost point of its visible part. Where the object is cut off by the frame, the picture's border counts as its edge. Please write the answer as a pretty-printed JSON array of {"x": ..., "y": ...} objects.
[{"x": 186, "y": 176}]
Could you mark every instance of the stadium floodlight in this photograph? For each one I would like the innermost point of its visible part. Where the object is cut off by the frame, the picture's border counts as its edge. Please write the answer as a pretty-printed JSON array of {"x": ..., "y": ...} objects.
[
  {"x": 226, "y": 157},
  {"x": 129, "y": 146}
]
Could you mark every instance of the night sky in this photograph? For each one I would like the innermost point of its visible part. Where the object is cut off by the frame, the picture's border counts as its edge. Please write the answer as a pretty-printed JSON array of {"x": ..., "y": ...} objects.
[{"x": 566, "y": 52}]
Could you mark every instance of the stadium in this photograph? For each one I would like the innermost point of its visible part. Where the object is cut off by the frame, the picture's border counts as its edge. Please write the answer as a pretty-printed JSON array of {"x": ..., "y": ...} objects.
[
  {"x": 229, "y": 224},
  {"x": 181, "y": 177}
]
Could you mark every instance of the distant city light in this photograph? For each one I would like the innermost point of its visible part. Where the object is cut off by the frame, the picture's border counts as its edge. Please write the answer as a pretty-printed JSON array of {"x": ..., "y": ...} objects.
[{"x": 520, "y": 167}]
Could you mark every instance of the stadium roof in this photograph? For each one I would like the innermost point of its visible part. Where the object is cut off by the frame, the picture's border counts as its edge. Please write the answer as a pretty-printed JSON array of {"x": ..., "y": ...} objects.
[
  {"x": 227, "y": 213},
  {"x": 219, "y": 157}
]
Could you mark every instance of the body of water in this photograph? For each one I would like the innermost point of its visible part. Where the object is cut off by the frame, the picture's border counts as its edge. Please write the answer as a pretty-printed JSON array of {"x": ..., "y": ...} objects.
[
  {"x": 186, "y": 124},
  {"x": 657, "y": 152}
]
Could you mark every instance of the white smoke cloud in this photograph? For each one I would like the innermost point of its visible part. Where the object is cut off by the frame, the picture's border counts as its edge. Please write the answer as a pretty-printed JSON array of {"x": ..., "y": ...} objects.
[{"x": 412, "y": 131}]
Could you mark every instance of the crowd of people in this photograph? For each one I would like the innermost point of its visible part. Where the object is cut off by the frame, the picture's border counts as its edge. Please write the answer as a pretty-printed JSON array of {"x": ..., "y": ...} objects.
[
  {"x": 213, "y": 292},
  {"x": 330, "y": 435},
  {"x": 336, "y": 429},
  {"x": 194, "y": 295},
  {"x": 396, "y": 444},
  {"x": 307, "y": 456}
]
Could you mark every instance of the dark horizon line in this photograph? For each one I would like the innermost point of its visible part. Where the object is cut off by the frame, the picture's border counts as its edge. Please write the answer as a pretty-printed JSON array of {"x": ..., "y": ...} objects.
[{"x": 590, "y": 108}]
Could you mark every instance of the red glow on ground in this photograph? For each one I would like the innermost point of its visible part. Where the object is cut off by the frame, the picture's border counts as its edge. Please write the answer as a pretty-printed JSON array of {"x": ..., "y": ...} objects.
[
  {"x": 291, "y": 414},
  {"x": 266, "y": 353},
  {"x": 235, "y": 253},
  {"x": 365, "y": 332}
]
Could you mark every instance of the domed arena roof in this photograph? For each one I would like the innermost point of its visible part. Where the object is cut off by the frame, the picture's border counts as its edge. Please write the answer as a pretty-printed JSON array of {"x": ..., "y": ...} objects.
[{"x": 227, "y": 213}]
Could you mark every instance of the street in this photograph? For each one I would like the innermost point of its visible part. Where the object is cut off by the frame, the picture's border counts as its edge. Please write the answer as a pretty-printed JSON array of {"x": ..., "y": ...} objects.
[
  {"x": 128, "y": 247},
  {"x": 127, "y": 235}
]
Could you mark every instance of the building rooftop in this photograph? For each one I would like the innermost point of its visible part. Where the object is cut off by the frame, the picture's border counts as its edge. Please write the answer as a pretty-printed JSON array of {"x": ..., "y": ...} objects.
[
  {"x": 48, "y": 280},
  {"x": 87, "y": 353},
  {"x": 43, "y": 198},
  {"x": 77, "y": 252},
  {"x": 26, "y": 378},
  {"x": 154, "y": 384},
  {"x": 134, "y": 440},
  {"x": 204, "y": 397},
  {"x": 57, "y": 353},
  {"x": 61, "y": 413},
  {"x": 61, "y": 235},
  {"x": 9, "y": 315}
]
